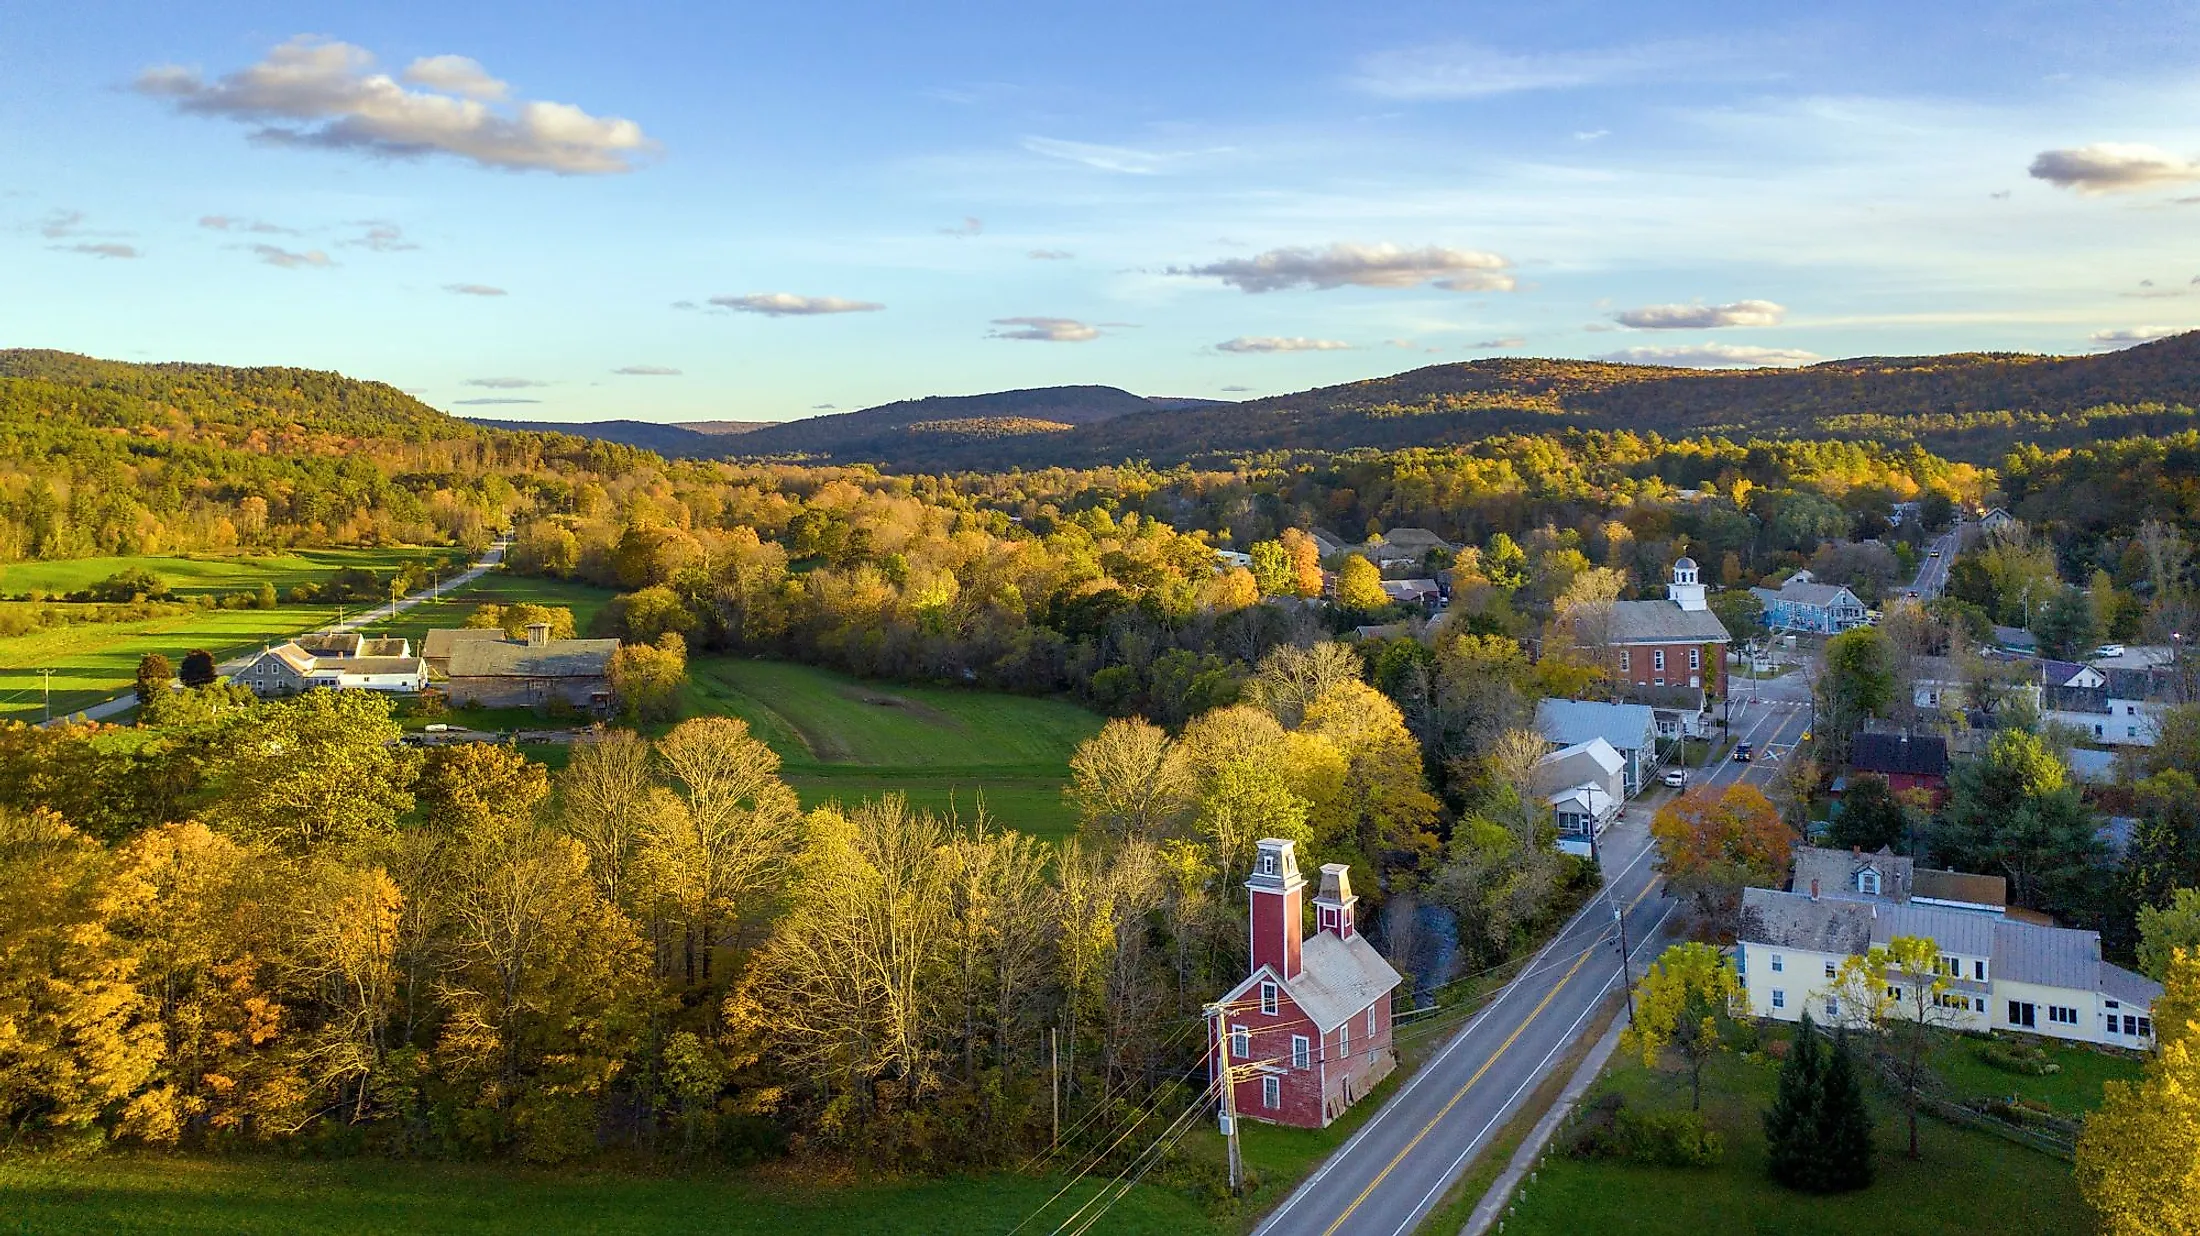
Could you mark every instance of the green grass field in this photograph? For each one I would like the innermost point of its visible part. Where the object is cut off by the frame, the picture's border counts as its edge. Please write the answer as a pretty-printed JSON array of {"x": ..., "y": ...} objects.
[
  {"x": 846, "y": 739},
  {"x": 246, "y": 1195},
  {"x": 2073, "y": 1092},
  {"x": 1966, "y": 1182},
  {"x": 503, "y": 589},
  {"x": 94, "y": 662}
]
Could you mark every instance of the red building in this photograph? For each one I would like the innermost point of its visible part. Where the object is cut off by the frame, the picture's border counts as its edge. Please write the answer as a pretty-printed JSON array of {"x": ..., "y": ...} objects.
[
  {"x": 1670, "y": 652},
  {"x": 1307, "y": 1034},
  {"x": 1907, "y": 761}
]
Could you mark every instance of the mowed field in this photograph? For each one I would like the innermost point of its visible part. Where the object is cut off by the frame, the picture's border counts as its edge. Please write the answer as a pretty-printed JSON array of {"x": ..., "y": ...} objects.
[
  {"x": 947, "y": 749},
  {"x": 1965, "y": 1182},
  {"x": 500, "y": 588},
  {"x": 96, "y": 661}
]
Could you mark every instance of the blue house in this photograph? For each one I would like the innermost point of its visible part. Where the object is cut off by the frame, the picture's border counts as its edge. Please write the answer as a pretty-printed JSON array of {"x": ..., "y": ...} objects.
[{"x": 1804, "y": 604}]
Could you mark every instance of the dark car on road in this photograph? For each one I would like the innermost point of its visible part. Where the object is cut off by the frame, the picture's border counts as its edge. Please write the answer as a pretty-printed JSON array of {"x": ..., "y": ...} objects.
[{"x": 1741, "y": 752}]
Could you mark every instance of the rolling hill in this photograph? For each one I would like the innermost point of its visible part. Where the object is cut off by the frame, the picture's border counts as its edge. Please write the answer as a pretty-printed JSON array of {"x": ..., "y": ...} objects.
[{"x": 691, "y": 439}]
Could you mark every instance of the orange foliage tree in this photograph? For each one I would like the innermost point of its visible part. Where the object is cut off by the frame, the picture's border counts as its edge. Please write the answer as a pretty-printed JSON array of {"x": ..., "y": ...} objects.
[{"x": 1712, "y": 845}]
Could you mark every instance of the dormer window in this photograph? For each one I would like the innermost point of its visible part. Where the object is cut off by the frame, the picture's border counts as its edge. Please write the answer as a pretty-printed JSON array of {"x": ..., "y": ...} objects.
[
  {"x": 1268, "y": 864},
  {"x": 1867, "y": 881}
]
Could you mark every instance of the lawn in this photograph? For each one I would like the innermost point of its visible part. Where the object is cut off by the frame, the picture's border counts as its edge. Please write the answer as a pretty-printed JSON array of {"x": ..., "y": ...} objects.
[
  {"x": 1967, "y": 1182},
  {"x": 96, "y": 661},
  {"x": 2074, "y": 1091},
  {"x": 244, "y": 1195},
  {"x": 946, "y": 748},
  {"x": 503, "y": 589}
]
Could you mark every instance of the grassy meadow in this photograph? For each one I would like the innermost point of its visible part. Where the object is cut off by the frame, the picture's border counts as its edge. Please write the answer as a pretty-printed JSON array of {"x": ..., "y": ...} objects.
[
  {"x": 1965, "y": 1182},
  {"x": 96, "y": 661},
  {"x": 847, "y": 739},
  {"x": 500, "y": 588}
]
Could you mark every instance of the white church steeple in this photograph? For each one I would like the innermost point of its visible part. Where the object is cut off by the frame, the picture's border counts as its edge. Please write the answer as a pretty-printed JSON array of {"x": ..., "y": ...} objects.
[{"x": 1684, "y": 591}]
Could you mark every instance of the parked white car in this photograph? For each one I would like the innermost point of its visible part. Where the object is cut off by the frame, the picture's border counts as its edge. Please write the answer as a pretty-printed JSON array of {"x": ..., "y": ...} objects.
[{"x": 1676, "y": 777}]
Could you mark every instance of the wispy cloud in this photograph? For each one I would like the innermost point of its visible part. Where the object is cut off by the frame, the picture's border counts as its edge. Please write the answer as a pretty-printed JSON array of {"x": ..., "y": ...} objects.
[
  {"x": 1369, "y": 266},
  {"x": 1128, "y": 160},
  {"x": 1473, "y": 70},
  {"x": 1713, "y": 356},
  {"x": 321, "y": 93},
  {"x": 380, "y": 236},
  {"x": 2113, "y": 167},
  {"x": 1050, "y": 255},
  {"x": 970, "y": 226},
  {"x": 473, "y": 289},
  {"x": 61, "y": 223},
  {"x": 789, "y": 305},
  {"x": 2126, "y": 336},
  {"x": 1504, "y": 344},
  {"x": 505, "y": 384},
  {"x": 1045, "y": 330},
  {"x": 1236, "y": 390},
  {"x": 1274, "y": 343},
  {"x": 483, "y": 403},
  {"x": 647, "y": 371},
  {"x": 100, "y": 249},
  {"x": 231, "y": 223},
  {"x": 823, "y": 407},
  {"x": 1701, "y": 316},
  {"x": 276, "y": 255}
]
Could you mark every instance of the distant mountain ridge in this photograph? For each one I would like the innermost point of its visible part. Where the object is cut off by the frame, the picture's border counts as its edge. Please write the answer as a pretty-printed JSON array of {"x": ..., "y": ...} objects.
[{"x": 683, "y": 439}]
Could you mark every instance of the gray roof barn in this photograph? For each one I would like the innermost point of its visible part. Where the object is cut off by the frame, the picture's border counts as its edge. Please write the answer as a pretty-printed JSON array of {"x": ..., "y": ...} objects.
[
  {"x": 1662, "y": 622},
  {"x": 558, "y": 658}
]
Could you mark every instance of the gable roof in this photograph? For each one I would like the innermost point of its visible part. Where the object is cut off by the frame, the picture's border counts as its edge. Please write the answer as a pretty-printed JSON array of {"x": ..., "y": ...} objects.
[
  {"x": 1794, "y": 920},
  {"x": 385, "y": 646},
  {"x": 1965, "y": 886},
  {"x": 1664, "y": 622},
  {"x": 290, "y": 654},
  {"x": 330, "y": 643},
  {"x": 1409, "y": 538},
  {"x": 375, "y": 665},
  {"x": 1836, "y": 870},
  {"x": 1816, "y": 595},
  {"x": 1598, "y": 752},
  {"x": 1916, "y": 755},
  {"x": 1339, "y": 978},
  {"x": 560, "y": 658},
  {"x": 1626, "y": 727},
  {"x": 437, "y": 646}
]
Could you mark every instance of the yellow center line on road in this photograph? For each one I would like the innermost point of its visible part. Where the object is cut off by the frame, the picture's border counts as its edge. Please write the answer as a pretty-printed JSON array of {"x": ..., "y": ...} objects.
[{"x": 1438, "y": 1118}]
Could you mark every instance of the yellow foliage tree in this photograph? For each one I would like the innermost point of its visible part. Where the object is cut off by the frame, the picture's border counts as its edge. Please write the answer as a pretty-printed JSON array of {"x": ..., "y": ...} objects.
[
  {"x": 2139, "y": 1157},
  {"x": 1360, "y": 585},
  {"x": 1682, "y": 1004}
]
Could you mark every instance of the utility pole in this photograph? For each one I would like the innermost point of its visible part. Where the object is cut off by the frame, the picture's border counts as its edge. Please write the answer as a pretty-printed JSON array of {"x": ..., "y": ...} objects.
[
  {"x": 1054, "y": 1080},
  {"x": 1626, "y": 972},
  {"x": 47, "y": 674},
  {"x": 1219, "y": 1036}
]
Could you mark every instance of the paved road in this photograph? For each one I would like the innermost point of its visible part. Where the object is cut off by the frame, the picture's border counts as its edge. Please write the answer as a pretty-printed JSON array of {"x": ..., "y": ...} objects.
[
  {"x": 1932, "y": 573},
  {"x": 380, "y": 613},
  {"x": 1385, "y": 1179}
]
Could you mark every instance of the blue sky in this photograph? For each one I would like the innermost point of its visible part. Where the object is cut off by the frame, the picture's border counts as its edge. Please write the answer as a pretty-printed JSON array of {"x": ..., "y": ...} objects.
[{"x": 501, "y": 207}]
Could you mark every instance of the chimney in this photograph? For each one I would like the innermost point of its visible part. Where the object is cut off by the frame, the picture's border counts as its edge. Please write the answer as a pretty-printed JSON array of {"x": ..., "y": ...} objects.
[
  {"x": 1276, "y": 916},
  {"x": 538, "y": 634},
  {"x": 1333, "y": 905},
  {"x": 1814, "y": 890},
  {"x": 1856, "y": 852}
]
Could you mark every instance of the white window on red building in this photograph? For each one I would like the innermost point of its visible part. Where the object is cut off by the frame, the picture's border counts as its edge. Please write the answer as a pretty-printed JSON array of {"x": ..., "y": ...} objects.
[
  {"x": 1241, "y": 1042},
  {"x": 1624, "y": 659},
  {"x": 1271, "y": 1093},
  {"x": 1302, "y": 1052},
  {"x": 1657, "y": 660},
  {"x": 1268, "y": 999},
  {"x": 1695, "y": 658}
]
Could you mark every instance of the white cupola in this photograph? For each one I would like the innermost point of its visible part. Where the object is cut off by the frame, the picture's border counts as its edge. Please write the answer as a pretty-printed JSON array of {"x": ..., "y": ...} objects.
[{"x": 1685, "y": 591}]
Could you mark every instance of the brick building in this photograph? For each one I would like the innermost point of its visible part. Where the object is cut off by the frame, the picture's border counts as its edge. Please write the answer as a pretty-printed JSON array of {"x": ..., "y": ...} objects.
[
  {"x": 1670, "y": 652},
  {"x": 1307, "y": 1034}
]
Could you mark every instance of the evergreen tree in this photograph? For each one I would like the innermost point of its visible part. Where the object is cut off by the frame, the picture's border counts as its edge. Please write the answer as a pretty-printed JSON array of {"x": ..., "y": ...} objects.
[
  {"x": 1792, "y": 1123},
  {"x": 199, "y": 669},
  {"x": 1844, "y": 1125}
]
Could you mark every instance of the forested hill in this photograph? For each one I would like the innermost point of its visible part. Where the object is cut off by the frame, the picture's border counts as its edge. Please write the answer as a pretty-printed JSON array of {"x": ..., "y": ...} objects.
[
  {"x": 937, "y": 427},
  {"x": 271, "y": 399},
  {"x": 1968, "y": 405}
]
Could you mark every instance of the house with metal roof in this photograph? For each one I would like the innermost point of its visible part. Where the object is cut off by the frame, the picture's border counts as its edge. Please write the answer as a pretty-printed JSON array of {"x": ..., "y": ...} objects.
[
  {"x": 1583, "y": 786},
  {"x": 1307, "y": 1033},
  {"x": 1803, "y": 604},
  {"x": 1888, "y": 876},
  {"x": 1631, "y": 730},
  {"x": 289, "y": 668},
  {"x": 1992, "y": 972}
]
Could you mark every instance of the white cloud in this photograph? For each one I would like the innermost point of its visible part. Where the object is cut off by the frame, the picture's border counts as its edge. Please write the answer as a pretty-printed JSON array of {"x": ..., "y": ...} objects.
[
  {"x": 1590, "y": 135},
  {"x": 1236, "y": 389},
  {"x": 1050, "y": 255},
  {"x": 473, "y": 289},
  {"x": 823, "y": 407},
  {"x": 276, "y": 255},
  {"x": 1713, "y": 356},
  {"x": 381, "y": 237},
  {"x": 1128, "y": 160},
  {"x": 100, "y": 249},
  {"x": 505, "y": 384},
  {"x": 2126, "y": 336},
  {"x": 648, "y": 371},
  {"x": 2113, "y": 167},
  {"x": 789, "y": 305},
  {"x": 1045, "y": 330},
  {"x": 321, "y": 93},
  {"x": 457, "y": 75},
  {"x": 1701, "y": 316},
  {"x": 61, "y": 223},
  {"x": 1368, "y": 266},
  {"x": 231, "y": 223},
  {"x": 1472, "y": 71},
  {"x": 1272, "y": 343},
  {"x": 1497, "y": 345},
  {"x": 970, "y": 226}
]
